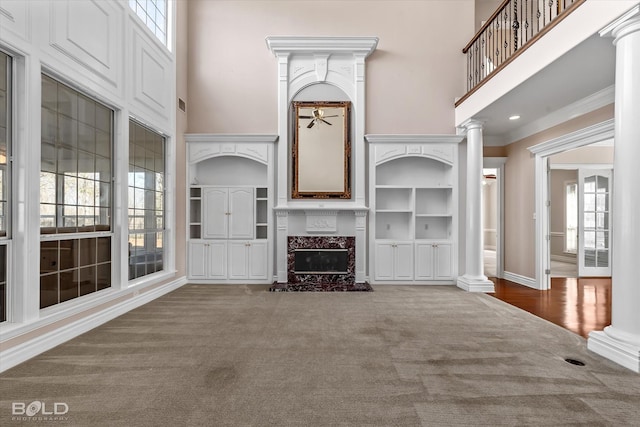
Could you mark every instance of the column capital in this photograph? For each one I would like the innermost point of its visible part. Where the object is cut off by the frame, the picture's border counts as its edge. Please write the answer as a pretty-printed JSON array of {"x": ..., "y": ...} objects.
[
  {"x": 626, "y": 24},
  {"x": 470, "y": 124}
]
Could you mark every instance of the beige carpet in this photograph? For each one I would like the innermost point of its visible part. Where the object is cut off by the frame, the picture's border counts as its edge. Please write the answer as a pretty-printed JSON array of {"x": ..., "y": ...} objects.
[{"x": 399, "y": 356}]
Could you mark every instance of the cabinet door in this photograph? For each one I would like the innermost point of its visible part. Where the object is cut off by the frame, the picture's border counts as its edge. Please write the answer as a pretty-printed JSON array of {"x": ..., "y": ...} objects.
[
  {"x": 403, "y": 265},
  {"x": 241, "y": 221},
  {"x": 442, "y": 261},
  {"x": 238, "y": 260},
  {"x": 384, "y": 261},
  {"x": 217, "y": 260},
  {"x": 215, "y": 213},
  {"x": 258, "y": 260},
  {"x": 424, "y": 261},
  {"x": 197, "y": 260}
]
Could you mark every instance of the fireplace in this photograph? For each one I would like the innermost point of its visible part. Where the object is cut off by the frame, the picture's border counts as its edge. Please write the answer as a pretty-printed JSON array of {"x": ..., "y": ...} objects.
[{"x": 321, "y": 263}]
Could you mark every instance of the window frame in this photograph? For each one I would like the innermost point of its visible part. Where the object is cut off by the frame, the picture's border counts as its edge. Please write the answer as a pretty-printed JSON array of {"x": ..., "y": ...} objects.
[
  {"x": 80, "y": 235},
  {"x": 6, "y": 239},
  {"x": 139, "y": 9},
  {"x": 145, "y": 231}
]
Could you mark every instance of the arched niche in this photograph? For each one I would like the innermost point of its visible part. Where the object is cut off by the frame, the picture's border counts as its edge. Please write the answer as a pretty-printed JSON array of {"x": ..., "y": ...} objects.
[
  {"x": 230, "y": 170},
  {"x": 411, "y": 169}
]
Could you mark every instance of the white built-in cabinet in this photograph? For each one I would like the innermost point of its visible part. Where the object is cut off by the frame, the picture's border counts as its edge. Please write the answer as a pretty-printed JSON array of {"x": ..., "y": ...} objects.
[
  {"x": 413, "y": 218},
  {"x": 228, "y": 213},
  {"x": 232, "y": 243},
  {"x": 229, "y": 209}
]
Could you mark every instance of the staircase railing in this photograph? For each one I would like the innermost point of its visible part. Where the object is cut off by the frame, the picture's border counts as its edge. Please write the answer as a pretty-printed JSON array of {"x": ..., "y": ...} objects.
[{"x": 510, "y": 30}]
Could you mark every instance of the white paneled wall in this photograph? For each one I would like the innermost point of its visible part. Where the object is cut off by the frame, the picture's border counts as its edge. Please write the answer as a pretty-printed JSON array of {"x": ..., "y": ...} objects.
[{"x": 99, "y": 47}]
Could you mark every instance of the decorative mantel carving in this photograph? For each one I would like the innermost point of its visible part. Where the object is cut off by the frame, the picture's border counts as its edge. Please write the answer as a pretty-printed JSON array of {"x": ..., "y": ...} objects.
[{"x": 322, "y": 221}]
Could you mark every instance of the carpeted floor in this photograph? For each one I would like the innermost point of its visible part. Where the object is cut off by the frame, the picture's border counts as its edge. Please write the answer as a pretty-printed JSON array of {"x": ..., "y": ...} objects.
[{"x": 400, "y": 356}]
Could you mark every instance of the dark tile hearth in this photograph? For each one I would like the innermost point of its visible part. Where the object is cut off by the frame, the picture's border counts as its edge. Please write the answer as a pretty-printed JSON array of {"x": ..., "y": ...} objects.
[{"x": 320, "y": 287}]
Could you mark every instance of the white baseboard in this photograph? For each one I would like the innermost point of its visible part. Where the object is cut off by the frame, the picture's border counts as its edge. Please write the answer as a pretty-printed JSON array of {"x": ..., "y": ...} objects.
[
  {"x": 476, "y": 285},
  {"x": 521, "y": 280},
  {"x": 619, "y": 352},
  {"x": 25, "y": 351}
]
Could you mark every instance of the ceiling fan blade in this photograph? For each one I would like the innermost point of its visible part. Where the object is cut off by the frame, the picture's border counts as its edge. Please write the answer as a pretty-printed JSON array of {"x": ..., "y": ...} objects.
[
  {"x": 310, "y": 125},
  {"x": 306, "y": 117},
  {"x": 335, "y": 115},
  {"x": 323, "y": 120}
]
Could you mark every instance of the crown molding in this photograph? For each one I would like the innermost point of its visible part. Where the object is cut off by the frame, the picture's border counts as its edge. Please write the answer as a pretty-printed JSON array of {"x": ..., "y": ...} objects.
[
  {"x": 413, "y": 139},
  {"x": 288, "y": 45},
  {"x": 589, "y": 135},
  {"x": 230, "y": 137}
]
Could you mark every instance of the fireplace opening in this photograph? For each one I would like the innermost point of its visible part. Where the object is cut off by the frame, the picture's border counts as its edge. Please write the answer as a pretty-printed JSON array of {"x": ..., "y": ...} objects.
[{"x": 321, "y": 261}]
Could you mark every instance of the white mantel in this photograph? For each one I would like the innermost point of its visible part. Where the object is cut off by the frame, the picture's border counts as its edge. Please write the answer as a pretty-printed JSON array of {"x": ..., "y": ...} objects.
[{"x": 330, "y": 62}]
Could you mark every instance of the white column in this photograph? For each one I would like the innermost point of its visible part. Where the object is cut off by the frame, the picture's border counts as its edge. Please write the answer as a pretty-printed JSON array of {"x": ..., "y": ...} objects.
[
  {"x": 620, "y": 341},
  {"x": 474, "y": 279},
  {"x": 361, "y": 245},
  {"x": 282, "y": 228},
  {"x": 282, "y": 185}
]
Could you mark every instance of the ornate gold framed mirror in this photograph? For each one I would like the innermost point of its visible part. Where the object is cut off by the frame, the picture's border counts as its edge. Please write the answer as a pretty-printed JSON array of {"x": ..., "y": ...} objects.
[{"x": 321, "y": 155}]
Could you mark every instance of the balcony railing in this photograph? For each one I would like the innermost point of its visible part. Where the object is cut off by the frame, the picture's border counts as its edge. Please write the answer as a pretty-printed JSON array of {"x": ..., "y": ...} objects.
[{"x": 512, "y": 28}]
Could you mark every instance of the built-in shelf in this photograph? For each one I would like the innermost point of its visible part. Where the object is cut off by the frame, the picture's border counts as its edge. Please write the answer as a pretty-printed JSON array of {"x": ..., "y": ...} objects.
[
  {"x": 195, "y": 212},
  {"x": 261, "y": 213},
  {"x": 413, "y": 209}
]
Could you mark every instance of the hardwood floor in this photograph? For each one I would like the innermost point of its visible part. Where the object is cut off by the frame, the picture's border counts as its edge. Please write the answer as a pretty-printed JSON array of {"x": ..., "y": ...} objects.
[{"x": 580, "y": 305}]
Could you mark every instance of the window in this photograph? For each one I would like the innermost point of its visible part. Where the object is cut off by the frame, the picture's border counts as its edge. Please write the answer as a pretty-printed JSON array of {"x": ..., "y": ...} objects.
[
  {"x": 5, "y": 196},
  {"x": 154, "y": 14},
  {"x": 75, "y": 194},
  {"x": 571, "y": 218},
  {"x": 146, "y": 200}
]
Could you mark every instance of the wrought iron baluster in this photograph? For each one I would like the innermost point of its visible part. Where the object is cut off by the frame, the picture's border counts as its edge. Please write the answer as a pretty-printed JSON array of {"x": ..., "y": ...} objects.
[{"x": 515, "y": 25}]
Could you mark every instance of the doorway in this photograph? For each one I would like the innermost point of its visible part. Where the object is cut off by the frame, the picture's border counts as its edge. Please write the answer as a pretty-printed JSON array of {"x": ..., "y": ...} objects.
[
  {"x": 563, "y": 222},
  {"x": 588, "y": 148},
  {"x": 493, "y": 215},
  {"x": 490, "y": 220}
]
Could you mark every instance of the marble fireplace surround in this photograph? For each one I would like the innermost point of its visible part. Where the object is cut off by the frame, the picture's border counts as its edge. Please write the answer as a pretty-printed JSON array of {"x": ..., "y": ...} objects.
[
  {"x": 322, "y": 242},
  {"x": 321, "y": 282}
]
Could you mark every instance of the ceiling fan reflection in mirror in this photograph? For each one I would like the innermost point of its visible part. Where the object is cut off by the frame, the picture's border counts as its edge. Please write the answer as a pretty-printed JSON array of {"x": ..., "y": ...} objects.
[{"x": 318, "y": 116}]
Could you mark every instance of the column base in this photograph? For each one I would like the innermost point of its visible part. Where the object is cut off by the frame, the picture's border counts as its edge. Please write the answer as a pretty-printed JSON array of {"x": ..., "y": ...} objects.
[
  {"x": 476, "y": 284},
  {"x": 621, "y": 352}
]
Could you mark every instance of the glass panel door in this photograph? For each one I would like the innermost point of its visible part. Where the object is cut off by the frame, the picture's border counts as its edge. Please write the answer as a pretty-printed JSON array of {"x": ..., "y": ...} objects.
[{"x": 594, "y": 254}]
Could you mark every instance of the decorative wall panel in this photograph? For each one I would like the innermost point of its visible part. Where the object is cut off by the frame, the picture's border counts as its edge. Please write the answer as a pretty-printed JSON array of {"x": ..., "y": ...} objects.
[
  {"x": 14, "y": 17},
  {"x": 151, "y": 73},
  {"x": 89, "y": 32}
]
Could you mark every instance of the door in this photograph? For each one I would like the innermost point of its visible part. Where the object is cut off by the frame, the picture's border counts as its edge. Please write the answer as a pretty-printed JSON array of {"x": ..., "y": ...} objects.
[
  {"x": 403, "y": 265},
  {"x": 217, "y": 258},
  {"x": 241, "y": 213},
  {"x": 197, "y": 260},
  {"x": 424, "y": 261},
  {"x": 442, "y": 261},
  {"x": 215, "y": 213},
  {"x": 384, "y": 261},
  {"x": 258, "y": 260},
  {"x": 594, "y": 222},
  {"x": 238, "y": 260}
]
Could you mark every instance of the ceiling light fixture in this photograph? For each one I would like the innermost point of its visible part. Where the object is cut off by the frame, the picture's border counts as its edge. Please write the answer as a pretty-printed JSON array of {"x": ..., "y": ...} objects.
[{"x": 514, "y": 117}]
